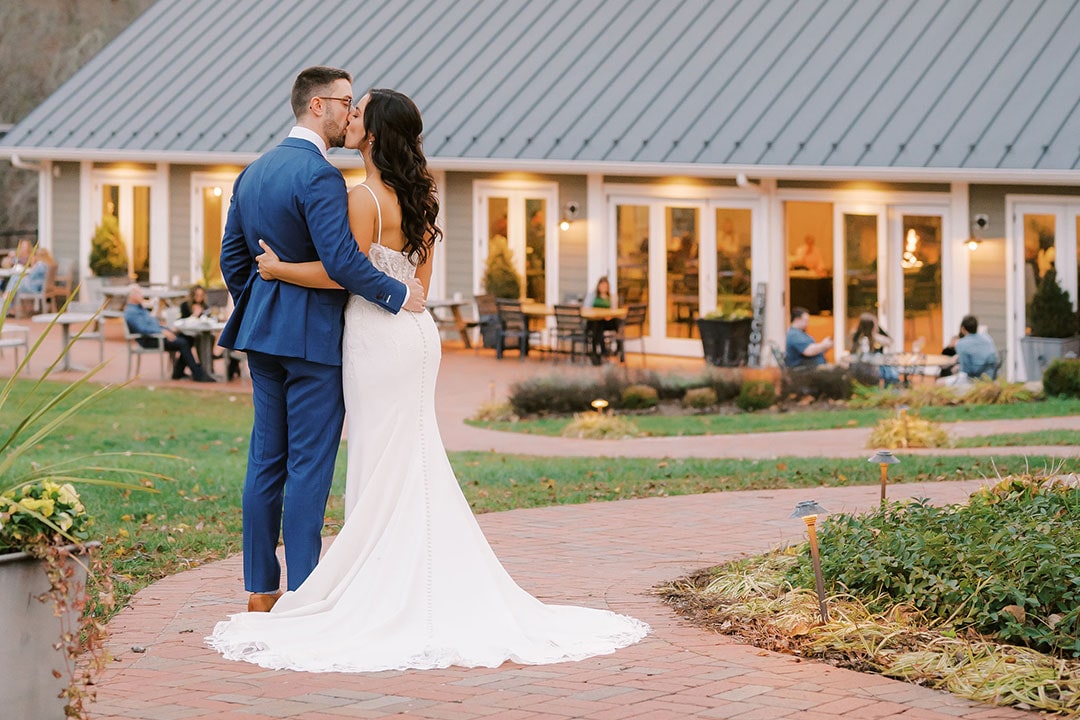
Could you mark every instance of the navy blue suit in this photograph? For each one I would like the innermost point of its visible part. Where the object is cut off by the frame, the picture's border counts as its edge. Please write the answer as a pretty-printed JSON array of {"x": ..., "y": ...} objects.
[{"x": 296, "y": 201}]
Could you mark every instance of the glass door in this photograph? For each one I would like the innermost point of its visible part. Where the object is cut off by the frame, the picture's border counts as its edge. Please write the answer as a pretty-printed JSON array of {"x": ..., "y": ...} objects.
[
  {"x": 126, "y": 197},
  {"x": 516, "y": 227},
  {"x": 860, "y": 286},
  {"x": 1045, "y": 239},
  {"x": 211, "y": 195},
  {"x": 914, "y": 317}
]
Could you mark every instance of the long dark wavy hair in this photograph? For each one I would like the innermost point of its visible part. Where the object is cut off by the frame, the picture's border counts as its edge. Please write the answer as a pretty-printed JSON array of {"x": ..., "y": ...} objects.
[{"x": 397, "y": 151}]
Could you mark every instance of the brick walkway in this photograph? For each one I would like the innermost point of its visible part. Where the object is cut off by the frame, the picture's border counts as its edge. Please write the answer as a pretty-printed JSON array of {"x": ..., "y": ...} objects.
[{"x": 601, "y": 555}]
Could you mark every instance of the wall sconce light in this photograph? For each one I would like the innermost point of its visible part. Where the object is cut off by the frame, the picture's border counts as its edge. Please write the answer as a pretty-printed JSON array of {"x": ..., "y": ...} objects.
[
  {"x": 884, "y": 458},
  {"x": 570, "y": 212},
  {"x": 978, "y": 226},
  {"x": 808, "y": 510}
]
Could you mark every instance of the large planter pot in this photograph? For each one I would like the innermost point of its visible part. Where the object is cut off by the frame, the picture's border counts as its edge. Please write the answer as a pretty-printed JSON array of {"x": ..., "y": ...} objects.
[
  {"x": 725, "y": 342},
  {"x": 31, "y": 629},
  {"x": 1039, "y": 352}
]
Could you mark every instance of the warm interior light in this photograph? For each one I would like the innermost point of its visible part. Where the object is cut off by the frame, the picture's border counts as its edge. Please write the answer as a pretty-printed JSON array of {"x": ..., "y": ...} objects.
[
  {"x": 972, "y": 244},
  {"x": 911, "y": 244},
  {"x": 564, "y": 225},
  {"x": 217, "y": 192}
]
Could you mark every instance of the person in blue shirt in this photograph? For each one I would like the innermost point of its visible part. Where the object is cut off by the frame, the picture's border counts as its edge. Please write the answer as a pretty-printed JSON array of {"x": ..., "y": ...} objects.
[
  {"x": 976, "y": 354},
  {"x": 801, "y": 349},
  {"x": 140, "y": 321}
]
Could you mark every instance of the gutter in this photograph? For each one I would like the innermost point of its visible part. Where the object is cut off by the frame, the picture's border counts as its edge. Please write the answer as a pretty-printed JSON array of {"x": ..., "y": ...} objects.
[{"x": 992, "y": 176}]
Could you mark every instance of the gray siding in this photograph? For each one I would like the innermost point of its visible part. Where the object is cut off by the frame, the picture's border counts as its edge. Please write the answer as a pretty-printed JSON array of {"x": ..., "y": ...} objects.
[
  {"x": 457, "y": 245},
  {"x": 65, "y": 214},
  {"x": 180, "y": 224}
]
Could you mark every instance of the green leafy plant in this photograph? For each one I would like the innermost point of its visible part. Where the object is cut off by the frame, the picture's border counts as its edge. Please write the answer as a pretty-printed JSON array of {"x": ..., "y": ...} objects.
[
  {"x": 756, "y": 395},
  {"x": 108, "y": 255},
  {"x": 1052, "y": 313},
  {"x": 639, "y": 397},
  {"x": 994, "y": 565},
  {"x": 1062, "y": 377},
  {"x": 700, "y": 398}
]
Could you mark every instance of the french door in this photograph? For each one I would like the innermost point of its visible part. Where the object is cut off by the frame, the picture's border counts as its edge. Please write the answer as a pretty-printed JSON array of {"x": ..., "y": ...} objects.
[
  {"x": 683, "y": 258},
  {"x": 1044, "y": 237},
  {"x": 127, "y": 196},
  {"x": 210, "y": 197},
  {"x": 519, "y": 218}
]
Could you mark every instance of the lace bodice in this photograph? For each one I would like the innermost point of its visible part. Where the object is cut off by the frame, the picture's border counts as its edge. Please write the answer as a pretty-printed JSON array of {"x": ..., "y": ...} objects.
[{"x": 391, "y": 262}]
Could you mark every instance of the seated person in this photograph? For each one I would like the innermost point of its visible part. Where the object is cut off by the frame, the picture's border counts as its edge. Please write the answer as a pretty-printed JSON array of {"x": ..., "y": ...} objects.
[
  {"x": 195, "y": 304},
  {"x": 976, "y": 353},
  {"x": 870, "y": 338},
  {"x": 34, "y": 279},
  {"x": 141, "y": 322},
  {"x": 801, "y": 350},
  {"x": 807, "y": 257},
  {"x": 600, "y": 298}
]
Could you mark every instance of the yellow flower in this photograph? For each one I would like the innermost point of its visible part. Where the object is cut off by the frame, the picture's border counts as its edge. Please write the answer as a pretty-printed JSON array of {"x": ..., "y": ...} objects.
[{"x": 44, "y": 506}]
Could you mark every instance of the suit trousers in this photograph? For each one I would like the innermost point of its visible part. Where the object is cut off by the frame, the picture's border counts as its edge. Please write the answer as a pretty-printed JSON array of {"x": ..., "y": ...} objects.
[{"x": 299, "y": 413}]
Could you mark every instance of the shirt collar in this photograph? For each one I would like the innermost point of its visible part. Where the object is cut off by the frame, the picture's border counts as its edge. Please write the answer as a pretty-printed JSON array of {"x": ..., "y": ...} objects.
[{"x": 310, "y": 135}]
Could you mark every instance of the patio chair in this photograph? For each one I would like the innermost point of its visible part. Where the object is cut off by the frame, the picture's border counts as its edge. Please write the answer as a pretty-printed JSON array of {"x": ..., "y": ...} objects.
[
  {"x": 139, "y": 345},
  {"x": 632, "y": 328},
  {"x": 513, "y": 326},
  {"x": 570, "y": 332},
  {"x": 15, "y": 337},
  {"x": 96, "y": 331}
]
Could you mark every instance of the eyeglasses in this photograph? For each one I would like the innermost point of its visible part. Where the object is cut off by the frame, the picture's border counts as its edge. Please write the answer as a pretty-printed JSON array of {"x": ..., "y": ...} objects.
[{"x": 346, "y": 100}]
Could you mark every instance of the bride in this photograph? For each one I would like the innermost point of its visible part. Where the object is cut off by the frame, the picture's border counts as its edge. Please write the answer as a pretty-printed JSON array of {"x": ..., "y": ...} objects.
[{"x": 410, "y": 582}]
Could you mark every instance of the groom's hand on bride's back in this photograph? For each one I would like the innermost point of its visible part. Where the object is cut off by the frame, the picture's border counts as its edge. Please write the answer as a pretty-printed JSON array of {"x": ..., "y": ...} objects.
[{"x": 416, "y": 302}]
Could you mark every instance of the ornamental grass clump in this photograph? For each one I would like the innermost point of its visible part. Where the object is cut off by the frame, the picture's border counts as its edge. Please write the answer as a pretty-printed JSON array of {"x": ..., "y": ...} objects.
[
  {"x": 907, "y": 430},
  {"x": 992, "y": 392},
  {"x": 699, "y": 398},
  {"x": 600, "y": 426}
]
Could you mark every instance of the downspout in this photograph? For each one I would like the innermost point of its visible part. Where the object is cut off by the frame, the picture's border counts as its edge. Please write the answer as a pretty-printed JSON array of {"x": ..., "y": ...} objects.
[{"x": 23, "y": 165}]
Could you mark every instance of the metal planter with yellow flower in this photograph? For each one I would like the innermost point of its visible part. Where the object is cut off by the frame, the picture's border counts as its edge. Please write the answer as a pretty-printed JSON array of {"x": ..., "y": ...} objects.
[{"x": 44, "y": 553}]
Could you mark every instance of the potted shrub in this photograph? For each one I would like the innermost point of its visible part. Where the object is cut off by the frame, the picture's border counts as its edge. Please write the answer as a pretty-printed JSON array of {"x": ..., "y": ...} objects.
[
  {"x": 108, "y": 259},
  {"x": 500, "y": 277},
  {"x": 725, "y": 335},
  {"x": 45, "y": 557},
  {"x": 1054, "y": 328}
]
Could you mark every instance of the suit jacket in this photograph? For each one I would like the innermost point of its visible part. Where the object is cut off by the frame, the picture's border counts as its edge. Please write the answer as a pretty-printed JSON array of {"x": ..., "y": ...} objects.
[{"x": 295, "y": 200}]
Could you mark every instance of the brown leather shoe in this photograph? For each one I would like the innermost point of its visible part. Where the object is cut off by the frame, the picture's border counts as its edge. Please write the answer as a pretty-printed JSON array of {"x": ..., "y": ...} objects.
[{"x": 262, "y": 602}]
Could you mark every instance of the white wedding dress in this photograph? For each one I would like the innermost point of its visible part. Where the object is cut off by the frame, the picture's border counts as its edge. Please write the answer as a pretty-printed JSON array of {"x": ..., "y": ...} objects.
[{"x": 410, "y": 582}]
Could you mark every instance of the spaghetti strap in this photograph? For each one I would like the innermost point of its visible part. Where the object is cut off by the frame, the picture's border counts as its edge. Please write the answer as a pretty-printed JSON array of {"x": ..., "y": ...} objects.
[{"x": 378, "y": 212}]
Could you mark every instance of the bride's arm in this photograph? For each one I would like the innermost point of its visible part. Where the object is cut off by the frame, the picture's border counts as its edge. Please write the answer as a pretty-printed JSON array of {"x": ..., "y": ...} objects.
[{"x": 305, "y": 274}]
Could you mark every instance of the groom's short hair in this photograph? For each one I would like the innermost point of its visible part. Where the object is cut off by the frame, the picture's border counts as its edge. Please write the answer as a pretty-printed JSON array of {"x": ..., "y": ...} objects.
[{"x": 312, "y": 81}]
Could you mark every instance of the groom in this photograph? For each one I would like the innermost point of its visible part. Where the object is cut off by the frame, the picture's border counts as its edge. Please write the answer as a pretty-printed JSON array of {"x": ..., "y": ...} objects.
[{"x": 295, "y": 200}]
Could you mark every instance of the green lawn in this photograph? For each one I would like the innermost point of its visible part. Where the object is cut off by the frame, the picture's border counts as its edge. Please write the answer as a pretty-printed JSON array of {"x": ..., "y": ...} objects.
[
  {"x": 800, "y": 419},
  {"x": 195, "y": 518}
]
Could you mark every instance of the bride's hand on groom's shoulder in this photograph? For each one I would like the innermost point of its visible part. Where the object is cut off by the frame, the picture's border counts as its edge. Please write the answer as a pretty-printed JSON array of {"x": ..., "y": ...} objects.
[
  {"x": 267, "y": 261},
  {"x": 417, "y": 302}
]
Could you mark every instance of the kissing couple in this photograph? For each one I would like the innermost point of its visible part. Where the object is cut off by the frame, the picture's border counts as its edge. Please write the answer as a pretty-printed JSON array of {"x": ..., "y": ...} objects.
[{"x": 329, "y": 287}]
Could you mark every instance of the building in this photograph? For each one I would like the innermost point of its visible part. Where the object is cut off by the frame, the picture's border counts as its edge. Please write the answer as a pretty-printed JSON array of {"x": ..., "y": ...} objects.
[{"x": 693, "y": 149}]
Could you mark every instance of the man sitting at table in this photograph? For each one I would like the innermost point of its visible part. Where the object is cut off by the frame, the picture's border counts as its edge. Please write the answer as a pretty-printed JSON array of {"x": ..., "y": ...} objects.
[
  {"x": 976, "y": 354},
  {"x": 141, "y": 322},
  {"x": 801, "y": 350}
]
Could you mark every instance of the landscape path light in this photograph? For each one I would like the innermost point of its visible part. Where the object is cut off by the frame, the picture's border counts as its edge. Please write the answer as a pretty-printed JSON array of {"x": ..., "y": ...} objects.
[
  {"x": 808, "y": 510},
  {"x": 884, "y": 458},
  {"x": 599, "y": 404}
]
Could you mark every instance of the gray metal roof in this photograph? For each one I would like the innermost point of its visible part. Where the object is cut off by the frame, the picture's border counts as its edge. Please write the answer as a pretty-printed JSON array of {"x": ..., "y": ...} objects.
[{"x": 915, "y": 84}]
